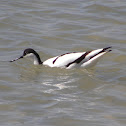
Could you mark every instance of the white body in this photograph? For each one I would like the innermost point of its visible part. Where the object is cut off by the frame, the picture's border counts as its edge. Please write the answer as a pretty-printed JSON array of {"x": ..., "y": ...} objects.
[{"x": 61, "y": 61}]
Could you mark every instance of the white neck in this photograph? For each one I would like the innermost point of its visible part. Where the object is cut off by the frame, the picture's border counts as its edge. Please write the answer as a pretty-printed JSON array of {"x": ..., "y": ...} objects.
[
  {"x": 36, "y": 60},
  {"x": 32, "y": 56}
]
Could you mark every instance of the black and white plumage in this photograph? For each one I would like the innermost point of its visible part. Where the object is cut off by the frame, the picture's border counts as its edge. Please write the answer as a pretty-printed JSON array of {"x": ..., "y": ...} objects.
[{"x": 68, "y": 60}]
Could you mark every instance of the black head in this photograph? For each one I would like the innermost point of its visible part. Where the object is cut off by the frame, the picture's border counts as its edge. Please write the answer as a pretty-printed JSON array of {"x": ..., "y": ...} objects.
[{"x": 27, "y": 52}]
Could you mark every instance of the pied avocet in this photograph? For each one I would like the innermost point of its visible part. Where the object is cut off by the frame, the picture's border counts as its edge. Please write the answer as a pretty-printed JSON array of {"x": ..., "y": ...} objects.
[{"x": 68, "y": 60}]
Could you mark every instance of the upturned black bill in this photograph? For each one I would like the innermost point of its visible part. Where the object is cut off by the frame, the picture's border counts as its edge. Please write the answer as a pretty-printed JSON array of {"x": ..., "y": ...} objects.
[{"x": 16, "y": 59}]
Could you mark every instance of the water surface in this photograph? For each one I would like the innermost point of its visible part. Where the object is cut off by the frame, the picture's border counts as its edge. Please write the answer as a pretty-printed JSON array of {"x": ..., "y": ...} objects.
[{"x": 41, "y": 96}]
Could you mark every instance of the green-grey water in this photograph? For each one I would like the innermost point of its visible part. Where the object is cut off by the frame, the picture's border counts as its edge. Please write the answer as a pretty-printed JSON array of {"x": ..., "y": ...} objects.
[{"x": 42, "y": 96}]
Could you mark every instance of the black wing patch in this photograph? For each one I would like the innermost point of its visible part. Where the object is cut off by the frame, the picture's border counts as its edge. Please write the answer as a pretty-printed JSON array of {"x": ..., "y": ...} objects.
[
  {"x": 85, "y": 54},
  {"x": 79, "y": 59},
  {"x": 104, "y": 50}
]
